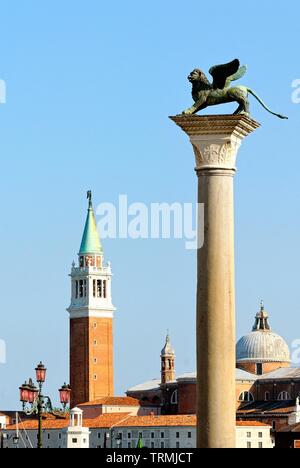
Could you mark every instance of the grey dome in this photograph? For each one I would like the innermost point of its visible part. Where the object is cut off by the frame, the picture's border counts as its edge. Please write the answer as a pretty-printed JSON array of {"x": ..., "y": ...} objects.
[{"x": 262, "y": 345}]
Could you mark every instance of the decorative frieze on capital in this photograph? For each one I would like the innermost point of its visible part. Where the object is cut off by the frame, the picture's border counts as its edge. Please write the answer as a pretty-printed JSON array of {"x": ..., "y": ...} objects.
[{"x": 215, "y": 154}]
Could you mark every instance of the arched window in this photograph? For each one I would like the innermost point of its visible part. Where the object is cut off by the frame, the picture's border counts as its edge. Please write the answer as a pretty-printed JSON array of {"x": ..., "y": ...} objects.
[
  {"x": 246, "y": 397},
  {"x": 284, "y": 396},
  {"x": 174, "y": 398}
]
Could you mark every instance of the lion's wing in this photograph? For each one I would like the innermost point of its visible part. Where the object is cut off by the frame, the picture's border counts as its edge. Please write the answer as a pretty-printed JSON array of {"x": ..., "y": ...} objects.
[
  {"x": 221, "y": 73},
  {"x": 237, "y": 76}
]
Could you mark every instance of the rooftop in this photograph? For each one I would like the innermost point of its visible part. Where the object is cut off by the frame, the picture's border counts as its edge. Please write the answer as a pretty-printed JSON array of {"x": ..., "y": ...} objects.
[
  {"x": 268, "y": 407},
  {"x": 112, "y": 401},
  {"x": 125, "y": 420}
]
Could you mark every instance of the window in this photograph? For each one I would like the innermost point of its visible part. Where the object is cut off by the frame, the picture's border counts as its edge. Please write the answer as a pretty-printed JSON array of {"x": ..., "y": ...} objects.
[
  {"x": 140, "y": 435},
  {"x": 189, "y": 435},
  {"x": 152, "y": 445},
  {"x": 260, "y": 445},
  {"x": 74, "y": 441},
  {"x": 274, "y": 425},
  {"x": 95, "y": 377},
  {"x": 84, "y": 441},
  {"x": 94, "y": 288},
  {"x": 129, "y": 435},
  {"x": 249, "y": 445},
  {"x": 99, "y": 435},
  {"x": 95, "y": 360},
  {"x": 162, "y": 445},
  {"x": 99, "y": 288},
  {"x": 177, "y": 435},
  {"x": 249, "y": 435},
  {"x": 162, "y": 435},
  {"x": 95, "y": 325},
  {"x": 104, "y": 289},
  {"x": 76, "y": 289},
  {"x": 129, "y": 444},
  {"x": 283, "y": 396},
  {"x": 260, "y": 435},
  {"x": 81, "y": 288},
  {"x": 267, "y": 396},
  {"x": 95, "y": 343},
  {"x": 152, "y": 435},
  {"x": 49, "y": 436},
  {"x": 177, "y": 445},
  {"x": 246, "y": 397},
  {"x": 84, "y": 288},
  {"x": 259, "y": 369},
  {"x": 174, "y": 398},
  {"x": 59, "y": 436}
]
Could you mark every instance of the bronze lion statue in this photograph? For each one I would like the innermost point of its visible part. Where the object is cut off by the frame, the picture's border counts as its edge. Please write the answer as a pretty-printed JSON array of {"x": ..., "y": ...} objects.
[{"x": 220, "y": 91}]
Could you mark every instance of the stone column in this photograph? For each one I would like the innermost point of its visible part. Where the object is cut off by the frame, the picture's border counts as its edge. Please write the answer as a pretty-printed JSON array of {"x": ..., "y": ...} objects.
[{"x": 216, "y": 140}]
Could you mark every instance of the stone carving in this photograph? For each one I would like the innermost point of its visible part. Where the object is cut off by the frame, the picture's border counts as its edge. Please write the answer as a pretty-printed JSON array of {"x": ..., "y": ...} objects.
[
  {"x": 220, "y": 90},
  {"x": 216, "y": 155}
]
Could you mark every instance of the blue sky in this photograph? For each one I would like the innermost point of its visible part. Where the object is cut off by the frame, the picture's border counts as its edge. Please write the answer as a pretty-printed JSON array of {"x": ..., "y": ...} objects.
[{"x": 90, "y": 86}]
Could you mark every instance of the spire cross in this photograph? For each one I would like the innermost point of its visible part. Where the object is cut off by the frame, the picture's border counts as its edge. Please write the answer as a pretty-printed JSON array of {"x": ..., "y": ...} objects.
[{"x": 89, "y": 197}]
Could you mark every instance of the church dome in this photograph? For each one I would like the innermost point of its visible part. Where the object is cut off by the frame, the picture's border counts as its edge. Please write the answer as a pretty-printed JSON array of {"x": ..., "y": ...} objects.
[{"x": 262, "y": 345}]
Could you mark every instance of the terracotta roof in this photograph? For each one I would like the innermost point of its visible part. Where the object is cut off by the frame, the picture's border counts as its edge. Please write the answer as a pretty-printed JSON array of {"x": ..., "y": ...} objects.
[
  {"x": 159, "y": 421},
  {"x": 105, "y": 421},
  {"x": 251, "y": 424},
  {"x": 113, "y": 401},
  {"x": 125, "y": 420}
]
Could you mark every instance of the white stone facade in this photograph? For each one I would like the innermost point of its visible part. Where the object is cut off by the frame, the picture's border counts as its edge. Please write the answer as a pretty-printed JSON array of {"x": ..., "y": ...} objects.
[{"x": 181, "y": 437}]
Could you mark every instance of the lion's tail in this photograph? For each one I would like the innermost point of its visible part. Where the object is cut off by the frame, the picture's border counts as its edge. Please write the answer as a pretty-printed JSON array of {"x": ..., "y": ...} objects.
[{"x": 264, "y": 105}]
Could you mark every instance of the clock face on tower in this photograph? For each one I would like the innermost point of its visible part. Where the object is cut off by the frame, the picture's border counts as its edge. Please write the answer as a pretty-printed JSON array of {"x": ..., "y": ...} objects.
[{"x": 89, "y": 261}]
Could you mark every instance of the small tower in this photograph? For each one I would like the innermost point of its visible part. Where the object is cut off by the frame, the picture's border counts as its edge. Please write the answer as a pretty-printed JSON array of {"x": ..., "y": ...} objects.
[
  {"x": 167, "y": 362},
  {"x": 77, "y": 436},
  {"x": 91, "y": 319}
]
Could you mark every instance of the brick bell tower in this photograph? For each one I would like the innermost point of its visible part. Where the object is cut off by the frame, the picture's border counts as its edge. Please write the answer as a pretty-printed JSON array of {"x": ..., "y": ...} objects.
[
  {"x": 167, "y": 357},
  {"x": 91, "y": 320}
]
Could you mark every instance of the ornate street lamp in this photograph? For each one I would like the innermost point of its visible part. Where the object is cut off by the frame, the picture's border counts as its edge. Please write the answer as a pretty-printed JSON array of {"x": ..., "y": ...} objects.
[
  {"x": 34, "y": 402},
  {"x": 65, "y": 395},
  {"x": 40, "y": 373}
]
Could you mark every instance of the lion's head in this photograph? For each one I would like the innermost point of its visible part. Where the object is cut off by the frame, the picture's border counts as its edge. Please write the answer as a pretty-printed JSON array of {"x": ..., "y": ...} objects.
[{"x": 196, "y": 75}]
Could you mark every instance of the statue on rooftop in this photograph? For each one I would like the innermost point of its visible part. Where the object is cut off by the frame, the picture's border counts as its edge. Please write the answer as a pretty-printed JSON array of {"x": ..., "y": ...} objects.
[{"x": 220, "y": 91}]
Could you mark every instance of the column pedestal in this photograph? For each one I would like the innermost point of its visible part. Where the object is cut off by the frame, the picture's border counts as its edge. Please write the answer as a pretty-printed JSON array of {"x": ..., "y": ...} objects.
[{"x": 216, "y": 141}]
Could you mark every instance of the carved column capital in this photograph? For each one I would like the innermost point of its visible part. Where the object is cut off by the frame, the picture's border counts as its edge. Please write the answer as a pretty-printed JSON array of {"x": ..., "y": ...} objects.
[{"x": 216, "y": 139}]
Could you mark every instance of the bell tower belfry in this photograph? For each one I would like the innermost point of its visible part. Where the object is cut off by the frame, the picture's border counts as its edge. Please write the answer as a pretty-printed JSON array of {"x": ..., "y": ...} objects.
[{"x": 91, "y": 319}]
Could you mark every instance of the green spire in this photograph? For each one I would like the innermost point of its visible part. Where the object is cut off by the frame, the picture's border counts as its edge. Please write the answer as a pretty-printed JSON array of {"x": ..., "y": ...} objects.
[{"x": 90, "y": 241}]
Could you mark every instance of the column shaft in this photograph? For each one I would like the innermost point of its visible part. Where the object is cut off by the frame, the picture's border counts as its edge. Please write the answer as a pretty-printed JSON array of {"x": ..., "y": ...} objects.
[{"x": 216, "y": 313}]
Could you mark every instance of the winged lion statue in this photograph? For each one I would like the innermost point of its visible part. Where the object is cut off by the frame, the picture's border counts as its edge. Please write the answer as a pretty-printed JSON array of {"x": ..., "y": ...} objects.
[{"x": 220, "y": 91}]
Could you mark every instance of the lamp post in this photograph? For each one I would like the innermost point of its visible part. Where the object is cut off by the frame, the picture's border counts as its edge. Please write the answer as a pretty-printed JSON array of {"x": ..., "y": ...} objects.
[{"x": 40, "y": 404}]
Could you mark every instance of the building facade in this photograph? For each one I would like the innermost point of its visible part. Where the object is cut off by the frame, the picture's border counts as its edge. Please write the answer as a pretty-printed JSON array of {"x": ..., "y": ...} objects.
[{"x": 126, "y": 431}]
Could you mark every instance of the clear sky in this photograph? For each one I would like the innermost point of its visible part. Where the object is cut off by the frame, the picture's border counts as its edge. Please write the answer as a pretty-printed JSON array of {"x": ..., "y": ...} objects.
[{"x": 90, "y": 86}]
